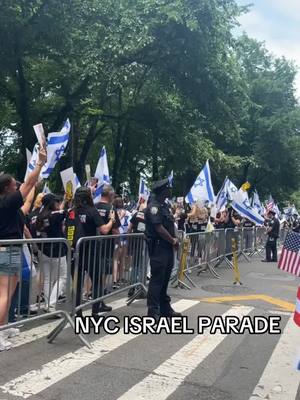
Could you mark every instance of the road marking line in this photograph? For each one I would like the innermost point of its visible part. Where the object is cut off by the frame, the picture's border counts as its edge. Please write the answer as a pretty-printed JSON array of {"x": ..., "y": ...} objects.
[
  {"x": 165, "y": 379},
  {"x": 268, "y": 299},
  {"x": 280, "y": 380},
  {"x": 36, "y": 381},
  {"x": 39, "y": 332}
]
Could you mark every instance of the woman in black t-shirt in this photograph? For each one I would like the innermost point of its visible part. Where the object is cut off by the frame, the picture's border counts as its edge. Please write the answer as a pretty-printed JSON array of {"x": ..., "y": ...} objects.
[
  {"x": 84, "y": 220},
  {"x": 12, "y": 227},
  {"x": 52, "y": 256}
]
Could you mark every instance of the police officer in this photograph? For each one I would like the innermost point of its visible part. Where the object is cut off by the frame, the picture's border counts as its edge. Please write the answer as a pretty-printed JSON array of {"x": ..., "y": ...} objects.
[
  {"x": 160, "y": 231},
  {"x": 273, "y": 227}
]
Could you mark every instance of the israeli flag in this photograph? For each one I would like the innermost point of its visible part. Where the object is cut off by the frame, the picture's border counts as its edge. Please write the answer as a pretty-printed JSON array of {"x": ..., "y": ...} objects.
[
  {"x": 277, "y": 211},
  {"x": 77, "y": 182},
  {"x": 202, "y": 190},
  {"x": 256, "y": 203},
  {"x": 170, "y": 178},
  {"x": 232, "y": 190},
  {"x": 56, "y": 145},
  {"x": 144, "y": 191},
  {"x": 290, "y": 211},
  {"x": 221, "y": 199},
  {"x": 28, "y": 268},
  {"x": 242, "y": 206},
  {"x": 33, "y": 160},
  {"x": 102, "y": 174}
]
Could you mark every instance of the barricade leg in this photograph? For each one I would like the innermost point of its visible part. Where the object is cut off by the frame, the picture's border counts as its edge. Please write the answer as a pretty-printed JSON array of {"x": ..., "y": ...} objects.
[{"x": 56, "y": 331}]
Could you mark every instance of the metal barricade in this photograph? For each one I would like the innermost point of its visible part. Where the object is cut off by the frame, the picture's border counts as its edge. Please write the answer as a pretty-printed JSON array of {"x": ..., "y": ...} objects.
[
  {"x": 38, "y": 285},
  {"x": 112, "y": 264},
  {"x": 260, "y": 240},
  {"x": 248, "y": 242},
  {"x": 205, "y": 253}
]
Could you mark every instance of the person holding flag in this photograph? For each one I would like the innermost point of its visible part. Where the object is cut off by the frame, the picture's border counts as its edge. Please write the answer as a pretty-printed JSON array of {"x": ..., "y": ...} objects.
[{"x": 12, "y": 222}]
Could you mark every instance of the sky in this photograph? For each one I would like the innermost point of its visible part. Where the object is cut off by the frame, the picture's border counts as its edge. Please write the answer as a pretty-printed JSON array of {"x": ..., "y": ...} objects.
[{"x": 277, "y": 23}]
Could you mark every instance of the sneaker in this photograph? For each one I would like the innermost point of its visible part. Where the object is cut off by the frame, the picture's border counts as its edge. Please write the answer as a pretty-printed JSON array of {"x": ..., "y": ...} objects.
[
  {"x": 10, "y": 332},
  {"x": 116, "y": 286},
  {"x": 4, "y": 344}
]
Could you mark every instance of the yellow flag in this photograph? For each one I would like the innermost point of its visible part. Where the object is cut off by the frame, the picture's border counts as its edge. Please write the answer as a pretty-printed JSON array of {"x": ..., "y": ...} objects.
[{"x": 246, "y": 186}]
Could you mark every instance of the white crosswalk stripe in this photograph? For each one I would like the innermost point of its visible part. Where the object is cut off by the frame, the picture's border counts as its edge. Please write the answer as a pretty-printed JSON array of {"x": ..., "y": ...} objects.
[
  {"x": 169, "y": 375},
  {"x": 38, "y": 380},
  {"x": 280, "y": 380}
]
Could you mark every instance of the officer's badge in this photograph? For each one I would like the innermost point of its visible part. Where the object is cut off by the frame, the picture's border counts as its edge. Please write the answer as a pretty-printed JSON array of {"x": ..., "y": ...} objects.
[{"x": 154, "y": 210}]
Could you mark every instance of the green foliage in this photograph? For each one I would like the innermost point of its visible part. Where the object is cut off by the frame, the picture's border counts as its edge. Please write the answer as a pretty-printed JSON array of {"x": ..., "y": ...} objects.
[{"x": 163, "y": 84}]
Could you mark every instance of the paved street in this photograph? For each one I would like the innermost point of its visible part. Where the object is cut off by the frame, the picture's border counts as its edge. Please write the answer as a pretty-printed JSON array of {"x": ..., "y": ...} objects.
[{"x": 173, "y": 367}]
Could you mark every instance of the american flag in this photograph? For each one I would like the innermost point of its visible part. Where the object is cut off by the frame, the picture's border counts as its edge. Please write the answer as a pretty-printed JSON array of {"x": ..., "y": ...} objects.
[
  {"x": 270, "y": 206},
  {"x": 290, "y": 255}
]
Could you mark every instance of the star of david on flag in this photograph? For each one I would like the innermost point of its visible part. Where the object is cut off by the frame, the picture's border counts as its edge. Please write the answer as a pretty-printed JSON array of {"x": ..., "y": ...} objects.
[{"x": 202, "y": 190}]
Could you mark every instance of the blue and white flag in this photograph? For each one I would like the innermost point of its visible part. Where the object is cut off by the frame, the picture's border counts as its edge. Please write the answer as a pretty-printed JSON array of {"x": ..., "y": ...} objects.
[
  {"x": 221, "y": 199},
  {"x": 144, "y": 191},
  {"x": 202, "y": 190},
  {"x": 33, "y": 160},
  {"x": 277, "y": 211},
  {"x": 56, "y": 145},
  {"x": 170, "y": 178},
  {"x": 290, "y": 211},
  {"x": 242, "y": 206},
  {"x": 28, "y": 268},
  {"x": 77, "y": 182},
  {"x": 256, "y": 203},
  {"x": 231, "y": 190},
  {"x": 102, "y": 174}
]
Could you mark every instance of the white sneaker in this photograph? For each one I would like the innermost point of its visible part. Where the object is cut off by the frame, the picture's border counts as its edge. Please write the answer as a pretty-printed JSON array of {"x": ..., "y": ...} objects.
[
  {"x": 10, "y": 332},
  {"x": 4, "y": 344}
]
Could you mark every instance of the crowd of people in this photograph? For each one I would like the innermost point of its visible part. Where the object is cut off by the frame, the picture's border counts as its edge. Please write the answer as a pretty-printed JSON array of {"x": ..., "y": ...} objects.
[{"x": 26, "y": 214}]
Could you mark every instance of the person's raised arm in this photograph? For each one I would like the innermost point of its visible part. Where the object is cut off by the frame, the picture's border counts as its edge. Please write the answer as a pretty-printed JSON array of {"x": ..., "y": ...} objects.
[
  {"x": 28, "y": 202},
  {"x": 33, "y": 177}
]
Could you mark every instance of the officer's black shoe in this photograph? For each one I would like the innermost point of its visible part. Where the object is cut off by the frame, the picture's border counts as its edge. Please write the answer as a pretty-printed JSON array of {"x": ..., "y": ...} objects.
[
  {"x": 171, "y": 313},
  {"x": 104, "y": 308},
  {"x": 155, "y": 316},
  {"x": 266, "y": 261},
  {"x": 96, "y": 318}
]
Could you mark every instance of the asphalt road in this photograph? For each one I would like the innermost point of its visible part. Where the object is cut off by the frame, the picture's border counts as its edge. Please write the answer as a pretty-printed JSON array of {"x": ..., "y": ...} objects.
[{"x": 173, "y": 367}]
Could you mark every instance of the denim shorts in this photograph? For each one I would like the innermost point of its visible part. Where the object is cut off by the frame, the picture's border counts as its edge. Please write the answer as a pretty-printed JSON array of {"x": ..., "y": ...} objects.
[{"x": 10, "y": 260}]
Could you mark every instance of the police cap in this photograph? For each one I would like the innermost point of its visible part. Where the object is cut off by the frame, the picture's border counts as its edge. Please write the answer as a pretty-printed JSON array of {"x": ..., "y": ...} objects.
[{"x": 160, "y": 186}]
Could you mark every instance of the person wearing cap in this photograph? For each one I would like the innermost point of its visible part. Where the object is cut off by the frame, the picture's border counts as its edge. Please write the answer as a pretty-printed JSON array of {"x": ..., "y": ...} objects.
[
  {"x": 273, "y": 227},
  {"x": 52, "y": 256},
  {"x": 160, "y": 232}
]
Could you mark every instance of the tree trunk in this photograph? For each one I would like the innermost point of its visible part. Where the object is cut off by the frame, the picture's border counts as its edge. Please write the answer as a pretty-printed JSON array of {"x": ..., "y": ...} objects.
[{"x": 27, "y": 134}]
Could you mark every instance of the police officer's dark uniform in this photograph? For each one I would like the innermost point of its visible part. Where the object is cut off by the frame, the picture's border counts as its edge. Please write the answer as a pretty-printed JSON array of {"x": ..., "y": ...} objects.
[
  {"x": 273, "y": 235},
  {"x": 161, "y": 250}
]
